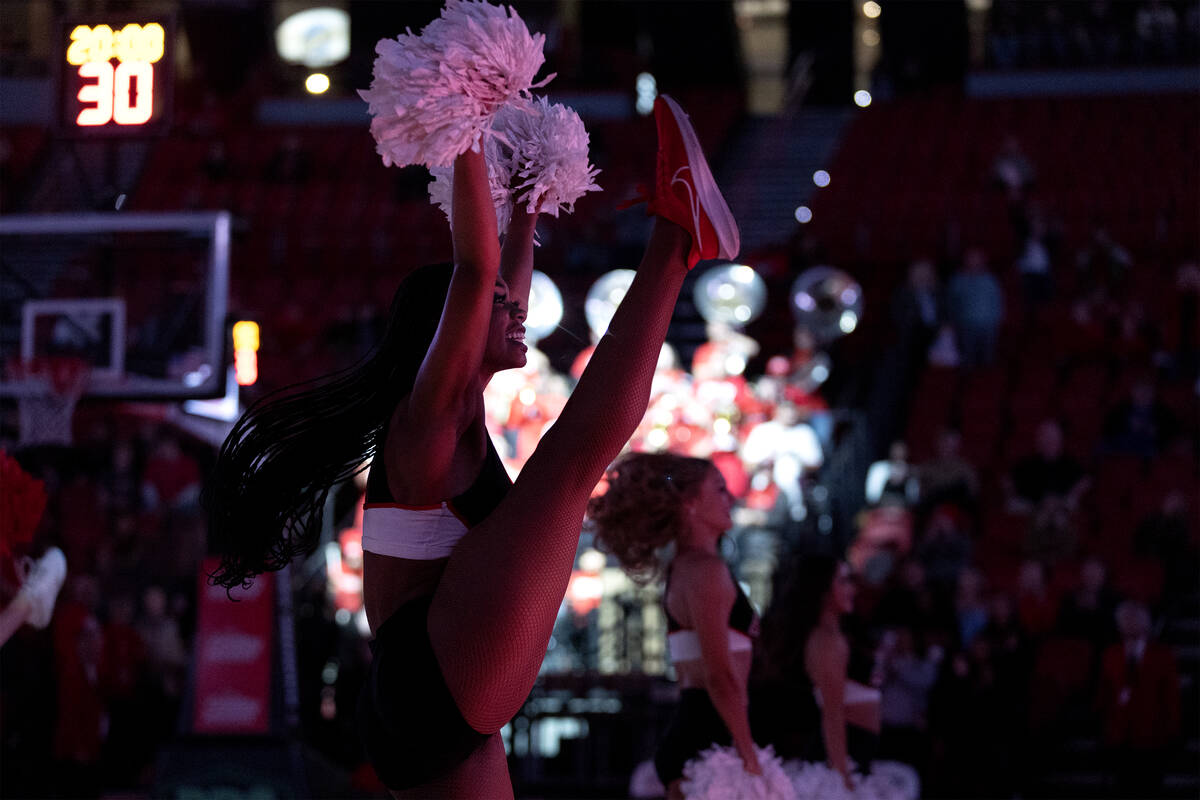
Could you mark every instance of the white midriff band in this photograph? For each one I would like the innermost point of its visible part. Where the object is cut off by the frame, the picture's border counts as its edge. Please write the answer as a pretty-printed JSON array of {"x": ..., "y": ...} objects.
[
  {"x": 422, "y": 532},
  {"x": 685, "y": 645},
  {"x": 855, "y": 693}
]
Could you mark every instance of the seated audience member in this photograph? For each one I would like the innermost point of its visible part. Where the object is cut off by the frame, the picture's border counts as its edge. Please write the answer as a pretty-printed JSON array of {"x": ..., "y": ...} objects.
[
  {"x": 975, "y": 304},
  {"x": 1169, "y": 535},
  {"x": 892, "y": 481},
  {"x": 1087, "y": 612},
  {"x": 971, "y": 608},
  {"x": 948, "y": 477},
  {"x": 1036, "y": 608},
  {"x": 945, "y": 548},
  {"x": 1048, "y": 473},
  {"x": 1141, "y": 424},
  {"x": 908, "y": 677},
  {"x": 1138, "y": 703}
]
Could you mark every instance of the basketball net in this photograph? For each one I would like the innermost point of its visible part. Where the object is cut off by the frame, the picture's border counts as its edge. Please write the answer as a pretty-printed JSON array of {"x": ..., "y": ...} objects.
[{"x": 45, "y": 411}]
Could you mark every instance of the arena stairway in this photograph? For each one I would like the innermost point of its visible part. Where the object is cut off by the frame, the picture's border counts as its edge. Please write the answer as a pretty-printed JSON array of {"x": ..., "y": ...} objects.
[{"x": 768, "y": 168}]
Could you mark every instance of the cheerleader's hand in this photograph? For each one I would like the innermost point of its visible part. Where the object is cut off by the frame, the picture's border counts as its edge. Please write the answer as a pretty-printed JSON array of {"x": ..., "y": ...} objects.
[{"x": 750, "y": 762}]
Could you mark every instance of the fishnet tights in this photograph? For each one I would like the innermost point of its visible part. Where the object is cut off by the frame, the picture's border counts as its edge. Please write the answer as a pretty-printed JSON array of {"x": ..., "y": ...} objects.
[{"x": 496, "y": 603}]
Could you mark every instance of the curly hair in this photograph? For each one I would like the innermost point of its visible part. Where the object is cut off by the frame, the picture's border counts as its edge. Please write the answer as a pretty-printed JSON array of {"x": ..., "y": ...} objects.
[{"x": 641, "y": 510}]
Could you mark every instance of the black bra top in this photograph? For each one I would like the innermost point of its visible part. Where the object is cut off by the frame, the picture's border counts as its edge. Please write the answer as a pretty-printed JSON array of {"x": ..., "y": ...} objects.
[
  {"x": 473, "y": 505},
  {"x": 741, "y": 617}
]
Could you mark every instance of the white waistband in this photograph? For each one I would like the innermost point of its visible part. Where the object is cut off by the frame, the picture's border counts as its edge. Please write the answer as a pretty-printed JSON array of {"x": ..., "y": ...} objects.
[
  {"x": 685, "y": 645},
  {"x": 855, "y": 694},
  {"x": 424, "y": 533}
]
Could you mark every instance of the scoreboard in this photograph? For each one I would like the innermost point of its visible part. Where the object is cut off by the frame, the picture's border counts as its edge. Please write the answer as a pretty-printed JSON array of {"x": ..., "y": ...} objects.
[{"x": 116, "y": 78}]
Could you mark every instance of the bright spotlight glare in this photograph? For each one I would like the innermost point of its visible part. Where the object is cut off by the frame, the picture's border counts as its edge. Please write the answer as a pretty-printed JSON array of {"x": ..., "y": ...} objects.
[
  {"x": 803, "y": 214},
  {"x": 871, "y": 9},
  {"x": 742, "y": 274},
  {"x": 862, "y": 98},
  {"x": 821, "y": 178},
  {"x": 848, "y": 322},
  {"x": 317, "y": 83}
]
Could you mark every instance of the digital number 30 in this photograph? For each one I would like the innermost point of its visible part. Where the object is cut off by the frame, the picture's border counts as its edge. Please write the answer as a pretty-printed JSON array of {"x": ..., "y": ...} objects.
[{"x": 123, "y": 94}]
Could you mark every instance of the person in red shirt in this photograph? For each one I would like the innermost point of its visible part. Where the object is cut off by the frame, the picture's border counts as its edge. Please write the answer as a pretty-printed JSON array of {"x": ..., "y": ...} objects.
[{"x": 1138, "y": 703}]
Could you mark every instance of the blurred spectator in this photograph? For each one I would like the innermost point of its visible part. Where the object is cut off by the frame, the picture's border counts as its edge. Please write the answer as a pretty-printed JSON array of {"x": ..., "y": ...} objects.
[
  {"x": 290, "y": 163},
  {"x": 975, "y": 306},
  {"x": 1046, "y": 474},
  {"x": 1036, "y": 607},
  {"x": 945, "y": 548},
  {"x": 970, "y": 606},
  {"x": 1138, "y": 702},
  {"x": 172, "y": 478},
  {"x": 1087, "y": 612},
  {"x": 1103, "y": 261},
  {"x": 1168, "y": 535},
  {"x": 122, "y": 671},
  {"x": 907, "y": 601},
  {"x": 1140, "y": 424},
  {"x": 893, "y": 481},
  {"x": 908, "y": 677},
  {"x": 788, "y": 449},
  {"x": 165, "y": 652},
  {"x": 916, "y": 310},
  {"x": 1012, "y": 169},
  {"x": 1187, "y": 348},
  {"x": 1035, "y": 261},
  {"x": 1157, "y": 27},
  {"x": 82, "y": 714},
  {"x": 948, "y": 477}
]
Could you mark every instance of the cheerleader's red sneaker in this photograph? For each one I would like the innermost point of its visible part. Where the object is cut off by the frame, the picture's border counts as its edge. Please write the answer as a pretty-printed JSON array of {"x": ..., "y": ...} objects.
[{"x": 684, "y": 190}]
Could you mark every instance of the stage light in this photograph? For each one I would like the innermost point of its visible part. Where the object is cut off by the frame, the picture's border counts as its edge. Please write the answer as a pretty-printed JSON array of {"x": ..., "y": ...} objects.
[
  {"x": 732, "y": 293},
  {"x": 647, "y": 90},
  {"x": 870, "y": 38},
  {"x": 604, "y": 297},
  {"x": 545, "y": 307},
  {"x": 821, "y": 178},
  {"x": 871, "y": 9},
  {"x": 803, "y": 215},
  {"x": 317, "y": 83},
  {"x": 862, "y": 98}
]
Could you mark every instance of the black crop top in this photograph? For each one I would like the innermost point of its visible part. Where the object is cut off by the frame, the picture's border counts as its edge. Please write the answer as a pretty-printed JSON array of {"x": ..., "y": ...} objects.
[
  {"x": 741, "y": 617},
  {"x": 473, "y": 505}
]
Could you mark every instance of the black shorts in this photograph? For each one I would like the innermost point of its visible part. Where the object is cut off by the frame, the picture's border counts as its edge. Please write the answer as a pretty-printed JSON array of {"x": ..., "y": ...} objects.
[
  {"x": 407, "y": 719},
  {"x": 697, "y": 726}
]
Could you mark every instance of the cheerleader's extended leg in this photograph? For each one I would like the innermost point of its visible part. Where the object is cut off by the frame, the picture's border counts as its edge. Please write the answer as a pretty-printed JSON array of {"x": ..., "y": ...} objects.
[{"x": 495, "y": 606}]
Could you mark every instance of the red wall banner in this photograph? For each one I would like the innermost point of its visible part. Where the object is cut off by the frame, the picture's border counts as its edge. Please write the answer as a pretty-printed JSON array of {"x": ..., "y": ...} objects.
[{"x": 234, "y": 647}]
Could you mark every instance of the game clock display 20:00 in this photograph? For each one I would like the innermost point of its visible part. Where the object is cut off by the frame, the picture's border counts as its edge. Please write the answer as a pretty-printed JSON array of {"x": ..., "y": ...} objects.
[{"x": 116, "y": 79}]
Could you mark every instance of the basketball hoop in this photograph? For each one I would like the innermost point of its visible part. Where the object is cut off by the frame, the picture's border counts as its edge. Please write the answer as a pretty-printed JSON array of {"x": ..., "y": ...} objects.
[{"x": 52, "y": 385}]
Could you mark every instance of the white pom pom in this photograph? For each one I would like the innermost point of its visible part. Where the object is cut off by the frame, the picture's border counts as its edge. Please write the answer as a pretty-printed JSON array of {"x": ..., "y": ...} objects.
[
  {"x": 889, "y": 780},
  {"x": 434, "y": 95},
  {"x": 441, "y": 188},
  {"x": 718, "y": 774},
  {"x": 549, "y": 148}
]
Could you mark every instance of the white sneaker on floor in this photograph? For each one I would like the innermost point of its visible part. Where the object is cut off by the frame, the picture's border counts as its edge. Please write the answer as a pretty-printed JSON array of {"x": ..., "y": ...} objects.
[{"x": 42, "y": 584}]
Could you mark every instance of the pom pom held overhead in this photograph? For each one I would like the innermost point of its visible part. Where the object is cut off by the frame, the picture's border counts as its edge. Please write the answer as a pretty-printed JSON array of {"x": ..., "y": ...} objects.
[{"x": 434, "y": 95}]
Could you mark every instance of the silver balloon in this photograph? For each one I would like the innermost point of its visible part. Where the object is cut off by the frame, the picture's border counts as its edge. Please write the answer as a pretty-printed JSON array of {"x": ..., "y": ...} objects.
[
  {"x": 545, "y": 307},
  {"x": 604, "y": 297},
  {"x": 827, "y": 301},
  {"x": 730, "y": 293},
  {"x": 812, "y": 374}
]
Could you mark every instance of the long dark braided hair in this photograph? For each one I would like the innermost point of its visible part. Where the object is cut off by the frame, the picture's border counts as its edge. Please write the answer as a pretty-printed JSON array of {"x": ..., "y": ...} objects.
[
  {"x": 267, "y": 491},
  {"x": 801, "y": 587}
]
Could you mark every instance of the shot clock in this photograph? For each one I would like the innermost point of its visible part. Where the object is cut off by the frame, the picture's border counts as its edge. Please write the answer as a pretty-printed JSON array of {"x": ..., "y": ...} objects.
[{"x": 116, "y": 78}]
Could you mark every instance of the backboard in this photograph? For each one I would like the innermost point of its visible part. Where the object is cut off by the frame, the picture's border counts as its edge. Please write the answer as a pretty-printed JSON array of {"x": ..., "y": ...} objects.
[{"x": 141, "y": 297}]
